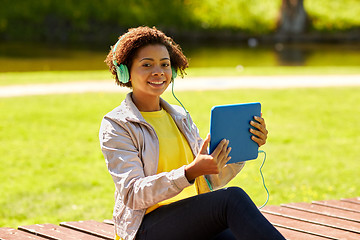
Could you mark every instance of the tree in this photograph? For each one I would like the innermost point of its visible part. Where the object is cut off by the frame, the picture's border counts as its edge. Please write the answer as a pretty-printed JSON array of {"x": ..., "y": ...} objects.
[{"x": 293, "y": 17}]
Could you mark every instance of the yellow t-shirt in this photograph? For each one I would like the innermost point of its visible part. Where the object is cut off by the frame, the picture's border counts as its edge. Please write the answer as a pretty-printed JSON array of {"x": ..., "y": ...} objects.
[{"x": 174, "y": 151}]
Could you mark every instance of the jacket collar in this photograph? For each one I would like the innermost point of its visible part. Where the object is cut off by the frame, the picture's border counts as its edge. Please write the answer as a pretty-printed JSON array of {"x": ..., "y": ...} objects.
[{"x": 128, "y": 110}]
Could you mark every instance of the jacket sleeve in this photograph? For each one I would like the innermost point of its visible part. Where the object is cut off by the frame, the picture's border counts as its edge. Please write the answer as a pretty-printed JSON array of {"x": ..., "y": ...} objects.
[
  {"x": 226, "y": 174},
  {"x": 122, "y": 157}
]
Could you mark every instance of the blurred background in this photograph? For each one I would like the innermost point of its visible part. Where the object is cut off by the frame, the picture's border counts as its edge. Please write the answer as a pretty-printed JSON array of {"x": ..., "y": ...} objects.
[{"x": 75, "y": 35}]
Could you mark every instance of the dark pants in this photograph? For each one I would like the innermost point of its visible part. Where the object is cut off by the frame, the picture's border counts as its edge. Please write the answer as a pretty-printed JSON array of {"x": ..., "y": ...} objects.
[{"x": 223, "y": 214}]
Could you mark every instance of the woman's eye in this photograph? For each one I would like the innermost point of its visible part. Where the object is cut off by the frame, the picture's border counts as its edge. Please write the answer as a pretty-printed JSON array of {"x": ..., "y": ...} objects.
[
  {"x": 146, "y": 65},
  {"x": 166, "y": 64}
]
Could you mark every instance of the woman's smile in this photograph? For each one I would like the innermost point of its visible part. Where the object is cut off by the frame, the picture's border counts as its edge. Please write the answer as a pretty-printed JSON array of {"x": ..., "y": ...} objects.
[{"x": 157, "y": 83}]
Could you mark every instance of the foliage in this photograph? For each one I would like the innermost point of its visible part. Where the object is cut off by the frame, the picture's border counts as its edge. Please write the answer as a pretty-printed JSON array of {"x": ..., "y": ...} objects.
[
  {"x": 333, "y": 15},
  {"x": 101, "y": 20},
  {"x": 71, "y": 19},
  {"x": 250, "y": 16},
  {"x": 52, "y": 169}
]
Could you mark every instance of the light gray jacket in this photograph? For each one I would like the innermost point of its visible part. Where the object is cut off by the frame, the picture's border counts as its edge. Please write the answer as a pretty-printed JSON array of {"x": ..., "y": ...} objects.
[{"x": 131, "y": 150}]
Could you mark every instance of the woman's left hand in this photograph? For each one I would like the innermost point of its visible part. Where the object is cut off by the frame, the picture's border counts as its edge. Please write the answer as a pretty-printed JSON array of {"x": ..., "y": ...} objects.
[{"x": 261, "y": 132}]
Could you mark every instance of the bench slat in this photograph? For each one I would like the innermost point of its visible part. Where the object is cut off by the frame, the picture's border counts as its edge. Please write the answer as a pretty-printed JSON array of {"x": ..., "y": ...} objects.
[
  {"x": 317, "y": 230},
  {"x": 108, "y": 221},
  {"x": 55, "y": 232},
  {"x": 15, "y": 234},
  {"x": 324, "y": 210},
  {"x": 347, "y": 206},
  {"x": 314, "y": 218},
  {"x": 95, "y": 228},
  {"x": 296, "y": 235},
  {"x": 352, "y": 200}
]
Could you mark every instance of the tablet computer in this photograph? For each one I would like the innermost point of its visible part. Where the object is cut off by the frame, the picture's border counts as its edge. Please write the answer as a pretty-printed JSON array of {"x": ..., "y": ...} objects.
[{"x": 232, "y": 122}]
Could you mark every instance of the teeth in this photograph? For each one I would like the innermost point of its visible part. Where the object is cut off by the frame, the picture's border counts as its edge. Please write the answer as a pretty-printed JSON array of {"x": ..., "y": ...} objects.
[{"x": 156, "y": 83}]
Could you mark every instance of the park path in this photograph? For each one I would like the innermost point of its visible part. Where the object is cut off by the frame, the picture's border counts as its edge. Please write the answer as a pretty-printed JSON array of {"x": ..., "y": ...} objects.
[{"x": 188, "y": 83}]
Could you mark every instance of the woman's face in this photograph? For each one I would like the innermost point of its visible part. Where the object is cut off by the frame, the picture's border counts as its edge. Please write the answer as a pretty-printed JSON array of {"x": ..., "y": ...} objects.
[{"x": 150, "y": 72}]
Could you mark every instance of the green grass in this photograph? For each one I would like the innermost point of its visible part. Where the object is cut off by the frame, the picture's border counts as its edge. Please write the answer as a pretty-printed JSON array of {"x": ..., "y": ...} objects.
[
  {"x": 312, "y": 152},
  {"x": 52, "y": 168},
  {"x": 15, "y": 78}
]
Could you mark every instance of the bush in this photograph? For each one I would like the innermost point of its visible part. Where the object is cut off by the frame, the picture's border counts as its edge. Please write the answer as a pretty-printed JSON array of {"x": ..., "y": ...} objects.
[{"x": 101, "y": 20}]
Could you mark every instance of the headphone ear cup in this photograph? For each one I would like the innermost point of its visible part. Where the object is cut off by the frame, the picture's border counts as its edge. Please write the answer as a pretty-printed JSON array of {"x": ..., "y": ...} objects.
[
  {"x": 174, "y": 73},
  {"x": 122, "y": 73}
]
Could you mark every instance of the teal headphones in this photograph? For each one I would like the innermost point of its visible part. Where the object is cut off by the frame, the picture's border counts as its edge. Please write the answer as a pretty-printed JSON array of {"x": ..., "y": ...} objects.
[{"x": 122, "y": 71}]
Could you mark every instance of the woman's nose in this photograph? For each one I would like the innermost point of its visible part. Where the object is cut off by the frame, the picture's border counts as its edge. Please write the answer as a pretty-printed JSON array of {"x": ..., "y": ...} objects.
[{"x": 158, "y": 71}]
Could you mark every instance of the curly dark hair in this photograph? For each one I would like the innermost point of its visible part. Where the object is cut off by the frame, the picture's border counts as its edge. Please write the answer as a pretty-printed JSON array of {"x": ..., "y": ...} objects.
[{"x": 139, "y": 37}]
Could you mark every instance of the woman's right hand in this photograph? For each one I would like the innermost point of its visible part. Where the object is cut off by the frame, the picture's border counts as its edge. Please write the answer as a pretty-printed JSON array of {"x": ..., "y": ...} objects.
[{"x": 205, "y": 164}]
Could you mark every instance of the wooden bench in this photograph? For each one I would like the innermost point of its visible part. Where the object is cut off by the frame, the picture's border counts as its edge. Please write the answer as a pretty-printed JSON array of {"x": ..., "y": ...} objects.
[{"x": 334, "y": 219}]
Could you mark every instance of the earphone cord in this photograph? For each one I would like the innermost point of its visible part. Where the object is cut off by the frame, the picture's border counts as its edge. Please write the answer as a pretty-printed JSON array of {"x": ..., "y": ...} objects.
[
  {"x": 263, "y": 180},
  {"x": 262, "y": 177},
  {"x": 187, "y": 113},
  {"x": 207, "y": 181},
  {"x": 188, "y": 121}
]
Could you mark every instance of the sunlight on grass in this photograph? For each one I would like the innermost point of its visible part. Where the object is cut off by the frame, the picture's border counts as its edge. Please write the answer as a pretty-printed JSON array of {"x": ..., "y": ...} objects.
[
  {"x": 53, "y": 170},
  {"x": 16, "y": 78}
]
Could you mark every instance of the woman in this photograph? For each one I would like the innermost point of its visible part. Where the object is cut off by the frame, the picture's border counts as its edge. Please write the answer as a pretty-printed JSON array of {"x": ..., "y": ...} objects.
[{"x": 159, "y": 163}]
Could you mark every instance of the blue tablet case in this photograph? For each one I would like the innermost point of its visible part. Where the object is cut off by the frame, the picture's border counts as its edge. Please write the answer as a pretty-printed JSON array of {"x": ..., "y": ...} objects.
[{"x": 232, "y": 122}]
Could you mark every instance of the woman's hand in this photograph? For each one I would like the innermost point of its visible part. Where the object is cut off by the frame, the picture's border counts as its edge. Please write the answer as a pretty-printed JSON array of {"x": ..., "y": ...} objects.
[
  {"x": 261, "y": 132},
  {"x": 208, "y": 164}
]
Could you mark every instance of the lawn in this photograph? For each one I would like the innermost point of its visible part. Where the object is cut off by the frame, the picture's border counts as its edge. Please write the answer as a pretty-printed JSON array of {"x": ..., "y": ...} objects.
[
  {"x": 52, "y": 169},
  {"x": 16, "y": 78}
]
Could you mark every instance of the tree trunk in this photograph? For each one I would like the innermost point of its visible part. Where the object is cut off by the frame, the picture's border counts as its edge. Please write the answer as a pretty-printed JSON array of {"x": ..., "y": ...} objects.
[{"x": 293, "y": 18}]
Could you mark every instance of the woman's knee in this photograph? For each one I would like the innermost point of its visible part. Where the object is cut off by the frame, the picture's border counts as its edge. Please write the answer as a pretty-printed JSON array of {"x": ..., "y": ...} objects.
[
  {"x": 237, "y": 195},
  {"x": 235, "y": 191}
]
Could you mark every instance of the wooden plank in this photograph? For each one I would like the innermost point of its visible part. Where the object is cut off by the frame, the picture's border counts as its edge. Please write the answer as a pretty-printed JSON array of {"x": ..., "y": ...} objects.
[
  {"x": 313, "y": 229},
  {"x": 325, "y": 210},
  {"x": 54, "y": 232},
  {"x": 108, "y": 221},
  {"x": 92, "y": 227},
  {"x": 352, "y": 207},
  {"x": 296, "y": 235},
  {"x": 15, "y": 234},
  {"x": 314, "y": 218},
  {"x": 352, "y": 200}
]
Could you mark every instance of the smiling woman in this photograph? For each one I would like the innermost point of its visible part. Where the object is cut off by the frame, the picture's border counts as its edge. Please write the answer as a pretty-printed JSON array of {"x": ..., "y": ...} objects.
[{"x": 158, "y": 161}]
